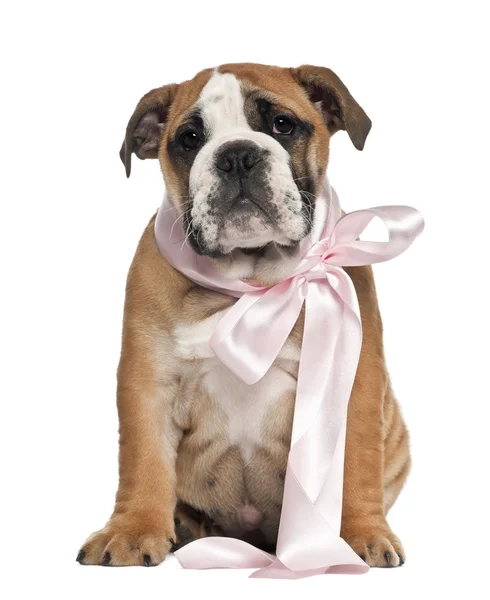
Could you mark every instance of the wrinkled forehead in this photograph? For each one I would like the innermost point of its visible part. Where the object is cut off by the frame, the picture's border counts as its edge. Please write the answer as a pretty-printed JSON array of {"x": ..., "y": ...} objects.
[{"x": 224, "y": 98}]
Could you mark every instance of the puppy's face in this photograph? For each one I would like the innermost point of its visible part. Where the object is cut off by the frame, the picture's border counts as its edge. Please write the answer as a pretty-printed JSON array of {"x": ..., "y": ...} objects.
[
  {"x": 237, "y": 148},
  {"x": 243, "y": 150}
]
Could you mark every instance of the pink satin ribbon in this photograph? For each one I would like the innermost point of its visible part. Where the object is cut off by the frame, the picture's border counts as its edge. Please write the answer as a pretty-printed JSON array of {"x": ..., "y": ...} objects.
[{"x": 248, "y": 339}]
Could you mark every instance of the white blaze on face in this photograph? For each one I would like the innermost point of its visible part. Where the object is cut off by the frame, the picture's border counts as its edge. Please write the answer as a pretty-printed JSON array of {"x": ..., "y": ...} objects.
[
  {"x": 221, "y": 107},
  {"x": 221, "y": 104}
]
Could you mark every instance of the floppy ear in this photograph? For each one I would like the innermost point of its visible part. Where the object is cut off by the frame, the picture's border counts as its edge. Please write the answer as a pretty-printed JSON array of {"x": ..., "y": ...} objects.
[
  {"x": 338, "y": 107},
  {"x": 145, "y": 128}
]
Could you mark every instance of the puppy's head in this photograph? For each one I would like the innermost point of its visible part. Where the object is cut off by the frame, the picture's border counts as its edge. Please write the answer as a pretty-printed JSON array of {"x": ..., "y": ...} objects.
[{"x": 243, "y": 149}]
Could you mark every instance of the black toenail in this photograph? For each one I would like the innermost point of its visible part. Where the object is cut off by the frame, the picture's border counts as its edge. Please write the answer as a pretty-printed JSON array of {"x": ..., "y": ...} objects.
[
  {"x": 172, "y": 541},
  {"x": 362, "y": 556},
  {"x": 282, "y": 475},
  {"x": 402, "y": 562},
  {"x": 107, "y": 559},
  {"x": 81, "y": 556},
  {"x": 211, "y": 481},
  {"x": 147, "y": 559},
  {"x": 387, "y": 556},
  {"x": 176, "y": 521}
]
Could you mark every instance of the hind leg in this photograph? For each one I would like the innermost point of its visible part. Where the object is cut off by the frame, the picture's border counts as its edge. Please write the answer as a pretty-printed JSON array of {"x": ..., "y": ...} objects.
[{"x": 191, "y": 524}]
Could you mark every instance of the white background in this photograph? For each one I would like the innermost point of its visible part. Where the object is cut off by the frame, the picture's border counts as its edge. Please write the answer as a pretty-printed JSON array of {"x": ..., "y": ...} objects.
[{"x": 72, "y": 73}]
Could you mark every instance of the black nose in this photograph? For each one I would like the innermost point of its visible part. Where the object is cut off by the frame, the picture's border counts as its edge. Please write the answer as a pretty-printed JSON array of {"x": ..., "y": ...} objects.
[{"x": 238, "y": 157}]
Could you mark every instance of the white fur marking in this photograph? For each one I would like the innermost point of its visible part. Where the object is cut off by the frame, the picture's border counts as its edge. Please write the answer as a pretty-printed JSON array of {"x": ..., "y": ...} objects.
[
  {"x": 192, "y": 341},
  {"x": 246, "y": 406},
  {"x": 221, "y": 104}
]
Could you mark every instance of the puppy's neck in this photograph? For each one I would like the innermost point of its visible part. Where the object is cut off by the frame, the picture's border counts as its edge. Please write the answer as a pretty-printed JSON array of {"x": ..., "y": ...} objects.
[{"x": 266, "y": 265}]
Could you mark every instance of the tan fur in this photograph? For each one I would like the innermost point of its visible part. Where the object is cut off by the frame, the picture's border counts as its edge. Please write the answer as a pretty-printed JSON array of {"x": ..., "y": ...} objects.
[{"x": 173, "y": 441}]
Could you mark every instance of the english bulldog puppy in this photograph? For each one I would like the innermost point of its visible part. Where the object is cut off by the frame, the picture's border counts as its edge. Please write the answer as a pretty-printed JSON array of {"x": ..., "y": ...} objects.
[{"x": 243, "y": 149}]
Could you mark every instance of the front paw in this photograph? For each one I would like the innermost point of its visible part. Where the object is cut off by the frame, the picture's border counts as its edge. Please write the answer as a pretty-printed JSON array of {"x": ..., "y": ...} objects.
[
  {"x": 129, "y": 540},
  {"x": 377, "y": 545}
]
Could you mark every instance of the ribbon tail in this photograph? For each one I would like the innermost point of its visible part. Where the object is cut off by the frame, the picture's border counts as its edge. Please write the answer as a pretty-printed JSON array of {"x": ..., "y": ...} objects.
[
  {"x": 222, "y": 553},
  {"x": 314, "y": 478}
]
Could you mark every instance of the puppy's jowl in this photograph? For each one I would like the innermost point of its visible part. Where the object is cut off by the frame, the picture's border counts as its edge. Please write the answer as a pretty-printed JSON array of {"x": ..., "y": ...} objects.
[{"x": 243, "y": 150}]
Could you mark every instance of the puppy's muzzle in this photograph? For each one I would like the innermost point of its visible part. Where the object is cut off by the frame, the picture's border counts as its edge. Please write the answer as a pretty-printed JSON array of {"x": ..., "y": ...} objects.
[{"x": 241, "y": 167}]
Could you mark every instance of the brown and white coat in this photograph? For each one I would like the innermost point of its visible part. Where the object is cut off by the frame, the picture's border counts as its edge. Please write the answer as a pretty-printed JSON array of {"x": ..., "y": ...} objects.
[{"x": 201, "y": 453}]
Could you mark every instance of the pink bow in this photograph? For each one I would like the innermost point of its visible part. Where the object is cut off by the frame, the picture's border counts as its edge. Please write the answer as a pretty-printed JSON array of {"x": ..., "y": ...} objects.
[{"x": 248, "y": 339}]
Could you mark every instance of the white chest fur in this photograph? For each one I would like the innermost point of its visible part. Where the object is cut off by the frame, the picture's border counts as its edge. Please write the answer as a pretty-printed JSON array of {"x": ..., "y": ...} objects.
[{"x": 246, "y": 406}]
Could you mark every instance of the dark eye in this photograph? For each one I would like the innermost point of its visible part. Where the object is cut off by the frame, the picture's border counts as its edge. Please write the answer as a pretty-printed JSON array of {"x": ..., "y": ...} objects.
[
  {"x": 190, "y": 140},
  {"x": 283, "y": 125}
]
